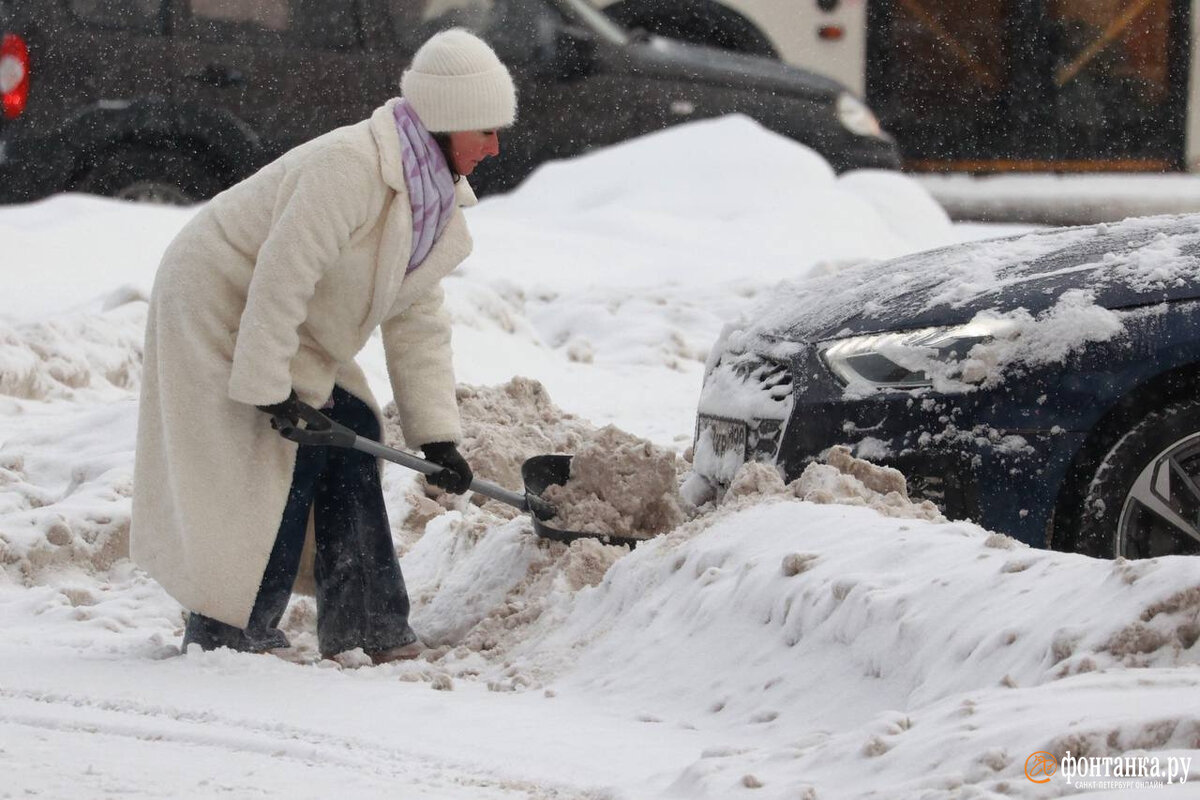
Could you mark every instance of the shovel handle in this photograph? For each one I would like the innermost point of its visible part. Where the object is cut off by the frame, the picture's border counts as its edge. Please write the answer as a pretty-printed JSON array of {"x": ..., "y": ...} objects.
[
  {"x": 514, "y": 499},
  {"x": 321, "y": 430},
  {"x": 318, "y": 429}
]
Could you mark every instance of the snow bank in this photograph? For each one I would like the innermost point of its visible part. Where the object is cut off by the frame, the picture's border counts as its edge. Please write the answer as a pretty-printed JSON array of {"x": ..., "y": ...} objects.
[
  {"x": 689, "y": 185},
  {"x": 483, "y": 589},
  {"x": 637, "y": 252},
  {"x": 898, "y": 602},
  {"x": 62, "y": 356},
  {"x": 868, "y": 642},
  {"x": 853, "y": 637},
  {"x": 68, "y": 512},
  {"x": 71, "y": 252}
]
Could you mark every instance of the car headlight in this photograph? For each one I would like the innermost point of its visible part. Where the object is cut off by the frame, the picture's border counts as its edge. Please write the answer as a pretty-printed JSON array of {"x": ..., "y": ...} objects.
[
  {"x": 913, "y": 359},
  {"x": 856, "y": 117}
]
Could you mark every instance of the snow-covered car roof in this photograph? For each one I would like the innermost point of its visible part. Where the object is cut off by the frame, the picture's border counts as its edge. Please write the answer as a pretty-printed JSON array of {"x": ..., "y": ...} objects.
[{"x": 1137, "y": 262}]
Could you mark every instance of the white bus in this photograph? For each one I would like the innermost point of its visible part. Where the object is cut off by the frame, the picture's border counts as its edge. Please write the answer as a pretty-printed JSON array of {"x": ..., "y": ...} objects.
[{"x": 984, "y": 85}]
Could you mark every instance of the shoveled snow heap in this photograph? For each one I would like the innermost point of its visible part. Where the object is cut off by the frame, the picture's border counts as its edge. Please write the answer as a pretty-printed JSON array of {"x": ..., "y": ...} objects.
[
  {"x": 483, "y": 587},
  {"x": 842, "y": 479},
  {"x": 619, "y": 485}
]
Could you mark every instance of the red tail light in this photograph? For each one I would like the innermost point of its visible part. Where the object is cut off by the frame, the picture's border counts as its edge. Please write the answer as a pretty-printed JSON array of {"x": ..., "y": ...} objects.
[{"x": 14, "y": 75}]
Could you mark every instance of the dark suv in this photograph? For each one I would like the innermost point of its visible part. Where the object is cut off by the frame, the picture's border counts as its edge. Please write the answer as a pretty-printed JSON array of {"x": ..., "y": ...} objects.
[
  {"x": 176, "y": 99},
  {"x": 1046, "y": 386}
]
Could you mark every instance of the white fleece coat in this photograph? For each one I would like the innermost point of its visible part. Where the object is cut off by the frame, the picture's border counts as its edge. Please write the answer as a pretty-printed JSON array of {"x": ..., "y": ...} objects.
[{"x": 276, "y": 285}]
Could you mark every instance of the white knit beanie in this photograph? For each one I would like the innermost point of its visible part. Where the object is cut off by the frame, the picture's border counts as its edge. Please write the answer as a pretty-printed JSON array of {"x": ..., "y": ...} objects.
[{"x": 456, "y": 83}]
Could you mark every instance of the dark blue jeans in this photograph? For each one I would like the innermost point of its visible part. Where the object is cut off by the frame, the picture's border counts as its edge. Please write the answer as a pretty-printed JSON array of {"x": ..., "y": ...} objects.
[{"x": 361, "y": 598}]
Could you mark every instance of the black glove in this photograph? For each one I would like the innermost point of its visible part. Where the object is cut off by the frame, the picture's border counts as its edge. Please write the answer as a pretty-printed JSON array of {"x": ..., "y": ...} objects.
[
  {"x": 288, "y": 410},
  {"x": 456, "y": 476}
]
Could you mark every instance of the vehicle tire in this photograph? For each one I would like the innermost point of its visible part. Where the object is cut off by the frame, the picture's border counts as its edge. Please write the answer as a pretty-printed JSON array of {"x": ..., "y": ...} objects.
[
  {"x": 706, "y": 23},
  {"x": 150, "y": 175},
  {"x": 1144, "y": 499}
]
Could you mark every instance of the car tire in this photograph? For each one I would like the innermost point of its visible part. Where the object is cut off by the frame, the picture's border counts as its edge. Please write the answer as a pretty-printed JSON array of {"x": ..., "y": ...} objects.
[
  {"x": 150, "y": 174},
  {"x": 1144, "y": 498}
]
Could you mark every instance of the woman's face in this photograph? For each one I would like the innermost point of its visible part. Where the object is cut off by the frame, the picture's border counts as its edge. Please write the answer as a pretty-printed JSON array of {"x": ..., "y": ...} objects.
[{"x": 468, "y": 148}]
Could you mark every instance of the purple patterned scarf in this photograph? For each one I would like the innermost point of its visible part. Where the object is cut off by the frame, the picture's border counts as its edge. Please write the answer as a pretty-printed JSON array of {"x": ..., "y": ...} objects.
[{"x": 430, "y": 185}]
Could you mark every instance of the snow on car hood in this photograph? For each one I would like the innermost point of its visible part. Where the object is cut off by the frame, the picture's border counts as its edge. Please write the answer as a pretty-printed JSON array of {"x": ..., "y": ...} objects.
[{"x": 1138, "y": 262}]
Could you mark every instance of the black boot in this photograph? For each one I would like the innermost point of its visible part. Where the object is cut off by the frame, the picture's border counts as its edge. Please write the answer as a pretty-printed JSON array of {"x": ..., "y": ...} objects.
[{"x": 211, "y": 634}]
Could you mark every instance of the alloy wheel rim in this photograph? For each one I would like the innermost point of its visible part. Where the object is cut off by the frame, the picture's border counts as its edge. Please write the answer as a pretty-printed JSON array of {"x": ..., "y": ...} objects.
[{"x": 1161, "y": 512}]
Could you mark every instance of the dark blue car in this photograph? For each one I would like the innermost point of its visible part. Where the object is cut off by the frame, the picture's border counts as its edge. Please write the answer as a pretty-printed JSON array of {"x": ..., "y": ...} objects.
[{"x": 1046, "y": 386}]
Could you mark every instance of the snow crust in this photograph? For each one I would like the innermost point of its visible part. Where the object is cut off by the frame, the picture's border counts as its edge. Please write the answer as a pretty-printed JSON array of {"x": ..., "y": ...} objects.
[{"x": 825, "y": 639}]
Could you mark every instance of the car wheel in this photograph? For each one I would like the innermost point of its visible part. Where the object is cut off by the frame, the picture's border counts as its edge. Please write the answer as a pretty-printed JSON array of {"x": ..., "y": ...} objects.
[
  {"x": 150, "y": 175},
  {"x": 1144, "y": 500}
]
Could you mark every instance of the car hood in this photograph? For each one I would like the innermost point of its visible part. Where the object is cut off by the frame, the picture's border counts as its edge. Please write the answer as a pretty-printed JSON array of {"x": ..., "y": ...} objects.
[
  {"x": 1138, "y": 262},
  {"x": 659, "y": 58}
]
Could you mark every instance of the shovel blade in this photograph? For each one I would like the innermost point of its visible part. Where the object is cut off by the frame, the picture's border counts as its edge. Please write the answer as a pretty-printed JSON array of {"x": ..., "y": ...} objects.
[{"x": 541, "y": 472}]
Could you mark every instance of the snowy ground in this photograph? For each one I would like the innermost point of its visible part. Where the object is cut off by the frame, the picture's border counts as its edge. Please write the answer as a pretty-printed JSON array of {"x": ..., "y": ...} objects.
[{"x": 770, "y": 648}]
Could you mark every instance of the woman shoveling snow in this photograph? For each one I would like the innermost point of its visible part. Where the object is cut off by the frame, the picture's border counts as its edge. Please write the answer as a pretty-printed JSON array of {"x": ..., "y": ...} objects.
[{"x": 261, "y": 303}]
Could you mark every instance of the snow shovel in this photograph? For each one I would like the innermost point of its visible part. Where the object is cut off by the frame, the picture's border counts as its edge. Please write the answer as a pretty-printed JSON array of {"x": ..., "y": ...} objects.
[{"x": 538, "y": 472}]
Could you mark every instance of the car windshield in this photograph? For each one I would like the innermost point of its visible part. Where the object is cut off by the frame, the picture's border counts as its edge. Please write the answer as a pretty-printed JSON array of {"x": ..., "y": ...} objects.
[
  {"x": 584, "y": 12},
  {"x": 416, "y": 21}
]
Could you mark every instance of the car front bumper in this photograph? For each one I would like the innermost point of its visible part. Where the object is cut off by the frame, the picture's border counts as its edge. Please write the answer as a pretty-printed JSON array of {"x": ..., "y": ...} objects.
[
  {"x": 1005, "y": 479},
  {"x": 977, "y": 455}
]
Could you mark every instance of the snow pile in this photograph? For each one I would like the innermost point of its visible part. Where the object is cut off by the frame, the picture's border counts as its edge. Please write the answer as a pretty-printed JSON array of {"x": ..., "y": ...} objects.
[
  {"x": 479, "y": 589},
  {"x": 505, "y": 425},
  {"x": 691, "y": 184},
  {"x": 703, "y": 231},
  {"x": 482, "y": 587},
  {"x": 781, "y": 620},
  {"x": 59, "y": 357},
  {"x": 78, "y": 252},
  {"x": 619, "y": 485},
  {"x": 841, "y": 479},
  {"x": 502, "y": 427},
  {"x": 66, "y": 513},
  {"x": 847, "y": 480},
  {"x": 828, "y": 626}
]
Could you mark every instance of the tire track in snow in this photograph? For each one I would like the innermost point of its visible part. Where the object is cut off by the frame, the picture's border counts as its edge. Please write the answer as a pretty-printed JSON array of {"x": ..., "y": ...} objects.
[{"x": 126, "y": 719}]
